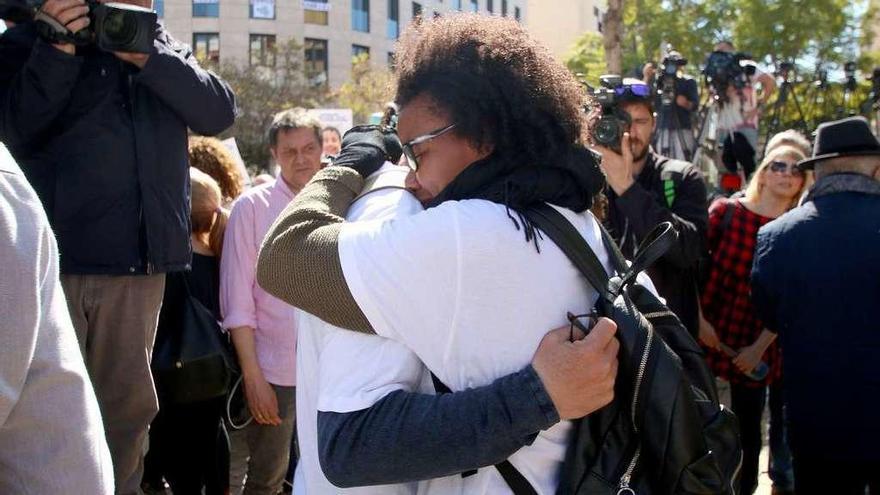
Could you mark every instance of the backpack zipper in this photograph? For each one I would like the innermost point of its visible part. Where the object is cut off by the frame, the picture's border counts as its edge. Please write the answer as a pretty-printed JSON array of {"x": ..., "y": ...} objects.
[{"x": 624, "y": 488}]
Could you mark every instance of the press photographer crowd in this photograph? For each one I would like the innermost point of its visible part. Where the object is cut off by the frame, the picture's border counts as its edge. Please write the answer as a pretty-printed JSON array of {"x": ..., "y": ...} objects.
[{"x": 515, "y": 283}]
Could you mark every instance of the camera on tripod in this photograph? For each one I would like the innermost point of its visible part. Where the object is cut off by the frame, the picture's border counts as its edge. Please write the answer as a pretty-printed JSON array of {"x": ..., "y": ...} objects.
[
  {"x": 726, "y": 69},
  {"x": 613, "y": 121},
  {"x": 666, "y": 82},
  {"x": 116, "y": 27}
]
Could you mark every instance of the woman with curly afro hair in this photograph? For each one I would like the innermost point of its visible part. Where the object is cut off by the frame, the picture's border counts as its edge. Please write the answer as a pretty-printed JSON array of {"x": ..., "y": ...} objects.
[
  {"x": 490, "y": 124},
  {"x": 213, "y": 158}
]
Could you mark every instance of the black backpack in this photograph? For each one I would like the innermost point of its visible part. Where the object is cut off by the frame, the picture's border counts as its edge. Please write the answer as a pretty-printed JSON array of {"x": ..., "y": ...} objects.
[{"x": 665, "y": 431}]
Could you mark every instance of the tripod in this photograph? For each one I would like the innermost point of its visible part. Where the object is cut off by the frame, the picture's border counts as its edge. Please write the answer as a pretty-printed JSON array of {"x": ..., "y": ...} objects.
[
  {"x": 786, "y": 89},
  {"x": 670, "y": 139}
]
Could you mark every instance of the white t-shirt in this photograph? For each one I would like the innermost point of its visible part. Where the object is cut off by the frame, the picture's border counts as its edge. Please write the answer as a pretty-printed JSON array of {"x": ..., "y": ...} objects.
[
  {"x": 343, "y": 371},
  {"x": 459, "y": 285}
]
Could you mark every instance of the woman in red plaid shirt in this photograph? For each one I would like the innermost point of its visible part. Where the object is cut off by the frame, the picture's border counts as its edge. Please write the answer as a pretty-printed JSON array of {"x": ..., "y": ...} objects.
[{"x": 728, "y": 320}]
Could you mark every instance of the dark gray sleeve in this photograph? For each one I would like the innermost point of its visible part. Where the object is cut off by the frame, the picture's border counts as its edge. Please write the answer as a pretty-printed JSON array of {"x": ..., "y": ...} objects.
[{"x": 411, "y": 437}]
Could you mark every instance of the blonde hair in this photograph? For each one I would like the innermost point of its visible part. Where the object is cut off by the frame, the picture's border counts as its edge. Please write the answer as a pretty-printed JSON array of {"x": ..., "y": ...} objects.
[
  {"x": 754, "y": 189},
  {"x": 207, "y": 213}
]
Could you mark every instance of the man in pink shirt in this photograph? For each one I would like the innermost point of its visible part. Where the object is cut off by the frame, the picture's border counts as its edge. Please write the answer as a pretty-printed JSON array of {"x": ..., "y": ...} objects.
[{"x": 263, "y": 328}]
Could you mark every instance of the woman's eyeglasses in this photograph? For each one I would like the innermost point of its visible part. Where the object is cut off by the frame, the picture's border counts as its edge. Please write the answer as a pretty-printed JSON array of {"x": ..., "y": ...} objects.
[
  {"x": 780, "y": 166},
  {"x": 408, "y": 146}
]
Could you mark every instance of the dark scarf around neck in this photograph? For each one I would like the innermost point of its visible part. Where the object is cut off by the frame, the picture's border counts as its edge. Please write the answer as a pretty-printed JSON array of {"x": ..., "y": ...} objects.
[{"x": 570, "y": 181}]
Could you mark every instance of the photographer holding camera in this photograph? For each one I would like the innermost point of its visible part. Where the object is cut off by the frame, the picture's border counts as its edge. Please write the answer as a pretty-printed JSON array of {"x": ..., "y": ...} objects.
[
  {"x": 732, "y": 77},
  {"x": 678, "y": 98},
  {"x": 97, "y": 114},
  {"x": 646, "y": 189}
]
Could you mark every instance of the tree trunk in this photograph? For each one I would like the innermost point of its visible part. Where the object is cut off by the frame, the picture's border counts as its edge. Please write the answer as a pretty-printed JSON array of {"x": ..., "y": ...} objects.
[{"x": 612, "y": 31}]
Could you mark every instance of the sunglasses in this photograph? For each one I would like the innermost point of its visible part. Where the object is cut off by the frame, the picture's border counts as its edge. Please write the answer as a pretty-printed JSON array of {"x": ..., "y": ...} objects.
[
  {"x": 408, "y": 146},
  {"x": 779, "y": 167},
  {"x": 584, "y": 323},
  {"x": 639, "y": 90}
]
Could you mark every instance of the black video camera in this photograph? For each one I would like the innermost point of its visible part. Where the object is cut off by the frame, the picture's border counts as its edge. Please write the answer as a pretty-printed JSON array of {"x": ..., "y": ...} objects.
[
  {"x": 115, "y": 27},
  {"x": 725, "y": 69},
  {"x": 666, "y": 82},
  {"x": 613, "y": 122}
]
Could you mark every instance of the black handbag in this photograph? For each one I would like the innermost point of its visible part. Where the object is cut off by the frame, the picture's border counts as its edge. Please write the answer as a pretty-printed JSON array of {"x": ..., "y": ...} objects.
[{"x": 193, "y": 363}]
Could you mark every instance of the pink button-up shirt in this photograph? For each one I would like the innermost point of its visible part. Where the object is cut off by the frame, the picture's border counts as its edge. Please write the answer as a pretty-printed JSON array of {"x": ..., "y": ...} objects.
[{"x": 242, "y": 301}]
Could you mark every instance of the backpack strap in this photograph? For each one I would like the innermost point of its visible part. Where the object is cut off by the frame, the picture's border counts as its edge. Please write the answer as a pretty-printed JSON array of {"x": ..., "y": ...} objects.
[
  {"x": 572, "y": 243},
  {"x": 518, "y": 483},
  {"x": 671, "y": 174}
]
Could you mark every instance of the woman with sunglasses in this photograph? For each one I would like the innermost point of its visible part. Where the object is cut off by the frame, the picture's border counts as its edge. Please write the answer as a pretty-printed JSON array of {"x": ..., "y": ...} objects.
[{"x": 736, "y": 341}]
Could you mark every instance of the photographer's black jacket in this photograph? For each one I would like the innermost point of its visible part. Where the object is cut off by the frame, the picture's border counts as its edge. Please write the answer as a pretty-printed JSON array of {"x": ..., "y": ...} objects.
[
  {"x": 105, "y": 146},
  {"x": 643, "y": 206}
]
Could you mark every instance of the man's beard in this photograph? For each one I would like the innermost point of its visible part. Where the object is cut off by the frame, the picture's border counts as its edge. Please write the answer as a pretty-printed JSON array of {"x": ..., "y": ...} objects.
[{"x": 639, "y": 154}]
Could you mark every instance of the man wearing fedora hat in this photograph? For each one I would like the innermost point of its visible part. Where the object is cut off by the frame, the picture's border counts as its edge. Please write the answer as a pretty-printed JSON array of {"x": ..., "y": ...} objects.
[{"x": 816, "y": 282}]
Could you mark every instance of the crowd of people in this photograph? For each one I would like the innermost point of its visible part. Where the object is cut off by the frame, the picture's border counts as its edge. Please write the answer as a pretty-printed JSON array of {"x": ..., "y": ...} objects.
[{"x": 383, "y": 316}]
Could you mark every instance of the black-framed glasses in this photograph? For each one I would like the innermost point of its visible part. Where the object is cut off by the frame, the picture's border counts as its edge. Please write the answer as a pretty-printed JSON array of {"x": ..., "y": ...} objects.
[
  {"x": 584, "y": 323},
  {"x": 779, "y": 166},
  {"x": 408, "y": 146}
]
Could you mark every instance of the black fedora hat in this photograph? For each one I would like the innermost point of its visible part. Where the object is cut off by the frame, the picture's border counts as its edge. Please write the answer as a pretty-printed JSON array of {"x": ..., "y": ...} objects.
[{"x": 846, "y": 137}]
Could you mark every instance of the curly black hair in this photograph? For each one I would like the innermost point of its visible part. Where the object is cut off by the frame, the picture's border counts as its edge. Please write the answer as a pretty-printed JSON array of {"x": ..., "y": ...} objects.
[{"x": 501, "y": 87}]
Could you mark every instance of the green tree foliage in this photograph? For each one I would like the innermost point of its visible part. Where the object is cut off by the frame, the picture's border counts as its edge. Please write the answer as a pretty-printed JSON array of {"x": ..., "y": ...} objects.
[
  {"x": 771, "y": 30},
  {"x": 261, "y": 92},
  {"x": 810, "y": 32},
  {"x": 367, "y": 91},
  {"x": 587, "y": 58}
]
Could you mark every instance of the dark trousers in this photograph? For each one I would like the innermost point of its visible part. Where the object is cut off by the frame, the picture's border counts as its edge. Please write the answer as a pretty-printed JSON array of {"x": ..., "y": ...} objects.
[
  {"x": 748, "y": 405},
  {"x": 781, "y": 472},
  {"x": 189, "y": 448},
  {"x": 814, "y": 476},
  {"x": 738, "y": 150}
]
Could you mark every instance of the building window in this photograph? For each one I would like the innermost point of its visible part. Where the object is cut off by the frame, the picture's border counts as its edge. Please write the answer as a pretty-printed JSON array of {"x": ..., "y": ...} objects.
[
  {"x": 262, "y": 50},
  {"x": 360, "y": 15},
  {"x": 393, "y": 19},
  {"x": 390, "y": 60},
  {"x": 359, "y": 50},
  {"x": 262, "y": 9},
  {"x": 316, "y": 61},
  {"x": 206, "y": 8},
  {"x": 516, "y": 14},
  {"x": 490, "y": 6},
  {"x": 456, "y": 4},
  {"x": 159, "y": 7},
  {"x": 207, "y": 46},
  {"x": 316, "y": 12},
  {"x": 504, "y": 8},
  {"x": 475, "y": 6},
  {"x": 417, "y": 10}
]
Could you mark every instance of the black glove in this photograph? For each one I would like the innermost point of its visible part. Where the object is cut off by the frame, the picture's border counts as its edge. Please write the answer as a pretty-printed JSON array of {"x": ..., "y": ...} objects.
[{"x": 366, "y": 147}]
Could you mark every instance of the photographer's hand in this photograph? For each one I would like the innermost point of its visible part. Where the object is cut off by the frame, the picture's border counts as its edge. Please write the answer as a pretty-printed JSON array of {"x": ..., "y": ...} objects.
[
  {"x": 683, "y": 102},
  {"x": 618, "y": 167},
  {"x": 73, "y": 14}
]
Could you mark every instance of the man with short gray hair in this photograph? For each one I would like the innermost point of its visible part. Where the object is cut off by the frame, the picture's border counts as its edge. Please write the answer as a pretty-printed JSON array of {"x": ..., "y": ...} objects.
[
  {"x": 815, "y": 283},
  {"x": 263, "y": 328}
]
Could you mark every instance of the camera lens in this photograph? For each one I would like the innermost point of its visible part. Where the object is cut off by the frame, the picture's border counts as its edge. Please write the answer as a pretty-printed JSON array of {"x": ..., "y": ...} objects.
[
  {"x": 120, "y": 27},
  {"x": 607, "y": 131}
]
